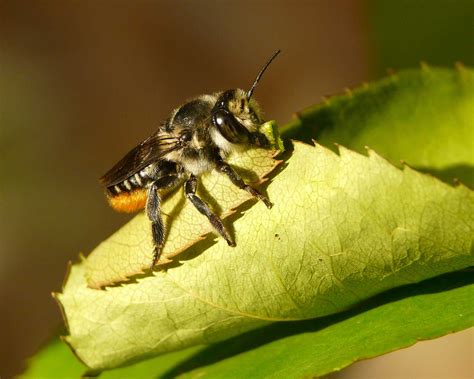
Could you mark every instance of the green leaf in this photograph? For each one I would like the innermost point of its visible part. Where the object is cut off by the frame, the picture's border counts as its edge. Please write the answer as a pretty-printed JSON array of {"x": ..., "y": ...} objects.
[
  {"x": 305, "y": 348},
  {"x": 55, "y": 360},
  {"x": 343, "y": 229},
  {"x": 423, "y": 117},
  {"x": 321, "y": 346}
]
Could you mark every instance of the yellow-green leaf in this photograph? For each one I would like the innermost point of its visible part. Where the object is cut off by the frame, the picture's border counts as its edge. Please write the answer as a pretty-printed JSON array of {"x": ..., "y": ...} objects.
[{"x": 343, "y": 228}]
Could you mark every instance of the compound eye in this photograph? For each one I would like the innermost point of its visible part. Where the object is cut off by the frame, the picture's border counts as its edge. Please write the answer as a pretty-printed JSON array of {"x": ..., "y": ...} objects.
[
  {"x": 219, "y": 119},
  {"x": 232, "y": 130}
]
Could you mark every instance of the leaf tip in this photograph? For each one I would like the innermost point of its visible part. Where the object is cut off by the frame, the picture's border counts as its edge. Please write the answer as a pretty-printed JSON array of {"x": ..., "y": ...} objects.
[
  {"x": 371, "y": 153},
  {"x": 314, "y": 144},
  {"x": 345, "y": 152},
  {"x": 94, "y": 285},
  {"x": 458, "y": 183},
  {"x": 66, "y": 275}
]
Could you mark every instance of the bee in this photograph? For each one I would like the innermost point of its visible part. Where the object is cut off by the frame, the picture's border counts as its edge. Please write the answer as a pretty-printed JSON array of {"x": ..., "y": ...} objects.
[{"x": 196, "y": 138}]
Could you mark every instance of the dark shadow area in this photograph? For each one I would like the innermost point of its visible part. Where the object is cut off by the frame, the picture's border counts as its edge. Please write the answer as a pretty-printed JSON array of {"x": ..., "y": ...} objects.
[
  {"x": 207, "y": 196},
  {"x": 173, "y": 214},
  {"x": 451, "y": 175},
  {"x": 262, "y": 336},
  {"x": 248, "y": 175}
]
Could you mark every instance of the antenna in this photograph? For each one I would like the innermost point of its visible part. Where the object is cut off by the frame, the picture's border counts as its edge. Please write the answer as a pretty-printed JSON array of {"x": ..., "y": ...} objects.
[{"x": 250, "y": 91}]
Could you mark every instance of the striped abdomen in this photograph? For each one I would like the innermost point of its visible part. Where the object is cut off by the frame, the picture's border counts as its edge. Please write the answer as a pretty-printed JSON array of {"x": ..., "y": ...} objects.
[{"x": 130, "y": 195}]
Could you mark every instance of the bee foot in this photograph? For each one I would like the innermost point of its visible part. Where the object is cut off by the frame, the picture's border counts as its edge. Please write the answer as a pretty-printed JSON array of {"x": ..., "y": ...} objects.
[
  {"x": 267, "y": 202},
  {"x": 156, "y": 257}
]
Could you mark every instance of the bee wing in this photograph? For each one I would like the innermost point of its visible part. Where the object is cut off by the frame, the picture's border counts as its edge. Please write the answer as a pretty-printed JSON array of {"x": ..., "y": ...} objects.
[{"x": 149, "y": 151}]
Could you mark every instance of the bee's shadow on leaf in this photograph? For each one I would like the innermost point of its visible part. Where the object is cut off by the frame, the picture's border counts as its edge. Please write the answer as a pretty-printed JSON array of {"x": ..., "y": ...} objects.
[
  {"x": 210, "y": 239},
  {"x": 173, "y": 215},
  {"x": 204, "y": 193},
  {"x": 248, "y": 175}
]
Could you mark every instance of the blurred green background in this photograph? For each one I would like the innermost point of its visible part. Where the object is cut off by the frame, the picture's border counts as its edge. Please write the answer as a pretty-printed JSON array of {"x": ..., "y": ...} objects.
[{"x": 82, "y": 82}]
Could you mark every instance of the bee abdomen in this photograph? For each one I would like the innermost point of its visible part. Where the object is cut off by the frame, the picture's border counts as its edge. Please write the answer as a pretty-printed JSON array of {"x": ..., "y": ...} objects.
[
  {"x": 136, "y": 181},
  {"x": 128, "y": 202},
  {"x": 129, "y": 195}
]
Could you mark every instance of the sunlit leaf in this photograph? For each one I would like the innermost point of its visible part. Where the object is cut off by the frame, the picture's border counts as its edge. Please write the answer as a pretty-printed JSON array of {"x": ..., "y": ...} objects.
[{"x": 343, "y": 228}]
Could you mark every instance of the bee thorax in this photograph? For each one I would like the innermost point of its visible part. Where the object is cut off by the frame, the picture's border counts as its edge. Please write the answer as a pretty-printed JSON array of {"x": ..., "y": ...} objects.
[{"x": 198, "y": 166}]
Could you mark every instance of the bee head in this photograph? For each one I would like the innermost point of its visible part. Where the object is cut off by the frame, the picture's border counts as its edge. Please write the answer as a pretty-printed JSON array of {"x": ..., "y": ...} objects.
[{"x": 237, "y": 116}]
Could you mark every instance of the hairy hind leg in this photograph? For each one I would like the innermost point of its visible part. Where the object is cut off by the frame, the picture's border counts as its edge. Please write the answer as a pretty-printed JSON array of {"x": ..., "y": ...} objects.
[{"x": 154, "y": 214}]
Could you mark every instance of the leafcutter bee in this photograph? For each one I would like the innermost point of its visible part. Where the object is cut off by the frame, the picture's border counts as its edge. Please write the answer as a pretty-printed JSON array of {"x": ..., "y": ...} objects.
[{"x": 196, "y": 138}]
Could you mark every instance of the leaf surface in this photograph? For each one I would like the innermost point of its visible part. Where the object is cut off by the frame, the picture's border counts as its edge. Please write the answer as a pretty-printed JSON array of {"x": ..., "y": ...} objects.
[
  {"x": 304, "y": 348},
  {"x": 343, "y": 228},
  {"x": 423, "y": 117},
  {"x": 314, "y": 348}
]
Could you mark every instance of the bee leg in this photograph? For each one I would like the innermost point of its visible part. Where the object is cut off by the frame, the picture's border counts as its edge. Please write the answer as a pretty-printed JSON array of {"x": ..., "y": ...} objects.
[
  {"x": 154, "y": 214},
  {"x": 238, "y": 181},
  {"x": 157, "y": 227},
  {"x": 190, "y": 190}
]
